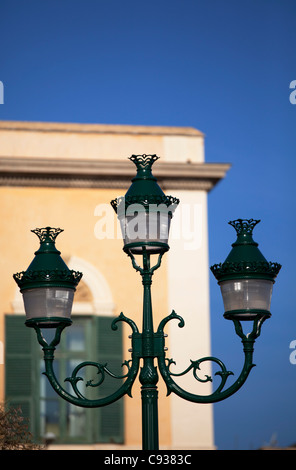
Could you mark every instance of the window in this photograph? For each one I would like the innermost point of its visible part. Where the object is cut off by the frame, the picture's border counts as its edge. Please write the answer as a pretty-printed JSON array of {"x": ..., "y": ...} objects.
[{"x": 88, "y": 338}]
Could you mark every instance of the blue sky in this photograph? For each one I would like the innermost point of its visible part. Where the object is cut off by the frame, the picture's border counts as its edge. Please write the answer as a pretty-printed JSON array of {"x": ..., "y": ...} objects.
[{"x": 222, "y": 66}]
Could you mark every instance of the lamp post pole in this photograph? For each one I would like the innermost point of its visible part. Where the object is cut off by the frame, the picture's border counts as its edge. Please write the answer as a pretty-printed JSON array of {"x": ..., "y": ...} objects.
[
  {"x": 245, "y": 278},
  {"x": 148, "y": 375}
]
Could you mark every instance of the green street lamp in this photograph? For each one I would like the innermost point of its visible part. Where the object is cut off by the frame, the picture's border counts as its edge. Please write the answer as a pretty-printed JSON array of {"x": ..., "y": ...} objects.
[
  {"x": 246, "y": 278},
  {"x": 48, "y": 285},
  {"x": 145, "y": 214}
]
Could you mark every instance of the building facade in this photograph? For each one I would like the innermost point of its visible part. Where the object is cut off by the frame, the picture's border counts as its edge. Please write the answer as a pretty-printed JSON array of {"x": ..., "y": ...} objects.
[{"x": 65, "y": 175}]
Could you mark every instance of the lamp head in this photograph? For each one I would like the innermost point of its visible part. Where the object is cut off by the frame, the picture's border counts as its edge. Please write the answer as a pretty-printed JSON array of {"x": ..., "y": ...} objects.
[
  {"x": 246, "y": 278},
  {"x": 145, "y": 212},
  {"x": 47, "y": 285}
]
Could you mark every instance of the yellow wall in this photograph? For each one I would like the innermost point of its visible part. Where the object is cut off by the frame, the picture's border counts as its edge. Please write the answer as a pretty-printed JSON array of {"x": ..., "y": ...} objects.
[{"x": 23, "y": 209}]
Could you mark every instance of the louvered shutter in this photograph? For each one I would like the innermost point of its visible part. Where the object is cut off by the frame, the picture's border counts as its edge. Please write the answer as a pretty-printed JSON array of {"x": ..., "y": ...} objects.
[
  {"x": 20, "y": 367},
  {"x": 109, "y": 350}
]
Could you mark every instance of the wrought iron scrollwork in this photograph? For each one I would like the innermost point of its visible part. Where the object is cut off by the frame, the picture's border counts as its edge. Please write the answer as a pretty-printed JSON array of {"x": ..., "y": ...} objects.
[
  {"x": 220, "y": 392},
  {"x": 165, "y": 365},
  {"x": 102, "y": 370},
  {"x": 195, "y": 366}
]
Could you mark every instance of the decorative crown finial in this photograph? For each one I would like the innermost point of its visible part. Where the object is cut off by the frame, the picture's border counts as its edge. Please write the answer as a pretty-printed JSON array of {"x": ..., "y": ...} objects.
[
  {"x": 144, "y": 161},
  {"x": 244, "y": 225},
  {"x": 47, "y": 234}
]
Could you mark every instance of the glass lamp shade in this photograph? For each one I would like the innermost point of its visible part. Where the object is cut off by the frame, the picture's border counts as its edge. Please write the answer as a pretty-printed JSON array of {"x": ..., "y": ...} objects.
[
  {"x": 245, "y": 298},
  {"x": 145, "y": 228},
  {"x": 52, "y": 303}
]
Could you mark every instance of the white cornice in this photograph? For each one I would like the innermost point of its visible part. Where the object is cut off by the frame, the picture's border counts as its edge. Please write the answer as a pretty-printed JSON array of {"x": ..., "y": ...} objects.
[{"x": 15, "y": 171}]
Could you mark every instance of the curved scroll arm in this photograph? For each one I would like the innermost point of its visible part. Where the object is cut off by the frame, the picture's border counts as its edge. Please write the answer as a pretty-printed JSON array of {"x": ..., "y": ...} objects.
[
  {"x": 79, "y": 399},
  {"x": 146, "y": 262},
  {"x": 219, "y": 394}
]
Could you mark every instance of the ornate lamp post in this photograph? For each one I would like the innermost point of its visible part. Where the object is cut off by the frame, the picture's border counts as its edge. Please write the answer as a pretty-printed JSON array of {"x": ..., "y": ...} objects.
[{"x": 145, "y": 213}]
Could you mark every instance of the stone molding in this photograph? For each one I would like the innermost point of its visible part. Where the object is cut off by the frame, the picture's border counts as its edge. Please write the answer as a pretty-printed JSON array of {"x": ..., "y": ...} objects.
[{"x": 84, "y": 173}]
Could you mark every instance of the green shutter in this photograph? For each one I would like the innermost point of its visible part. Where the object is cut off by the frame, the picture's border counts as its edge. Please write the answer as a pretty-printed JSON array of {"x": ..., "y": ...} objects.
[
  {"x": 109, "y": 350},
  {"x": 20, "y": 367},
  {"x": 22, "y": 375}
]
